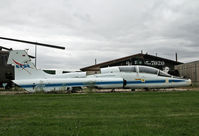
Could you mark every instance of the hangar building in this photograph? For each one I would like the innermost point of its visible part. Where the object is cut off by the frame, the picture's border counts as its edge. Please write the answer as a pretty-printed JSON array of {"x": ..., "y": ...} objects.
[
  {"x": 190, "y": 70},
  {"x": 137, "y": 59},
  {"x": 7, "y": 71}
]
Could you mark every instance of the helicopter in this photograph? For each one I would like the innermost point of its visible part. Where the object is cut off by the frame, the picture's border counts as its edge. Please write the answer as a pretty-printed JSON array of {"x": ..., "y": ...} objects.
[{"x": 7, "y": 71}]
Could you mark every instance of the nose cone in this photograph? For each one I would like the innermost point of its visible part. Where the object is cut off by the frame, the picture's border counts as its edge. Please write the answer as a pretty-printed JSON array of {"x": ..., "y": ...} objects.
[{"x": 188, "y": 81}]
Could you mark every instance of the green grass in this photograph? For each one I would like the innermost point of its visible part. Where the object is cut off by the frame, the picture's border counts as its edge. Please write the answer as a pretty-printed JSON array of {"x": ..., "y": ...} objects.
[{"x": 110, "y": 114}]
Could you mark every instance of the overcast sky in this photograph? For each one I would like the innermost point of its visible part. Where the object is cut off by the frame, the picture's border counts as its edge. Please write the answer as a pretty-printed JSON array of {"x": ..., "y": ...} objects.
[{"x": 101, "y": 29}]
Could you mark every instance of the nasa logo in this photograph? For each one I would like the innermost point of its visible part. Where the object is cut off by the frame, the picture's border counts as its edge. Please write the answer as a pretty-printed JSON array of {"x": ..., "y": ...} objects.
[{"x": 23, "y": 66}]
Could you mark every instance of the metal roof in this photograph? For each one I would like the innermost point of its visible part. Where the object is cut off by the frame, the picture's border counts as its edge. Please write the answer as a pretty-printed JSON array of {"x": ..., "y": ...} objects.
[{"x": 139, "y": 55}]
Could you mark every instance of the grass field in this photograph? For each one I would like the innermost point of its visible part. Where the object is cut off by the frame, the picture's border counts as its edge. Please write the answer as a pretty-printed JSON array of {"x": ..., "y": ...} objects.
[{"x": 102, "y": 114}]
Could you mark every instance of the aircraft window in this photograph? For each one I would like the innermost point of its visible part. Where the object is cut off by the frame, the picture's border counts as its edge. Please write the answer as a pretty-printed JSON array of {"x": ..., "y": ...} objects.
[
  {"x": 127, "y": 69},
  {"x": 148, "y": 70},
  {"x": 161, "y": 73}
]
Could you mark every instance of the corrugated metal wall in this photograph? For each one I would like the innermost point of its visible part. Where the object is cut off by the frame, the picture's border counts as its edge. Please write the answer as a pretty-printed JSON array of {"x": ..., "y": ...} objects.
[{"x": 189, "y": 70}]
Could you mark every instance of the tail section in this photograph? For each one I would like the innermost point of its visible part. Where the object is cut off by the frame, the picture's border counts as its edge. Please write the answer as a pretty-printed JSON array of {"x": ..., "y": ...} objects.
[{"x": 24, "y": 68}]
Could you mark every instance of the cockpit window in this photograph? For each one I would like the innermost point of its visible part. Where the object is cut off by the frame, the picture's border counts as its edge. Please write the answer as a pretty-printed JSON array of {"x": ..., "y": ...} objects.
[
  {"x": 161, "y": 73},
  {"x": 127, "y": 69},
  {"x": 148, "y": 70}
]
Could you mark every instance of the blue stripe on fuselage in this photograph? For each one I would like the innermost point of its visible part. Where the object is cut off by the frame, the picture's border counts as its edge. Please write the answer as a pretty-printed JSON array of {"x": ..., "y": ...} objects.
[
  {"x": 109, "y": 82},
  {"x": 145, "y": 82},
  {"x": 73, "y": 84},
  {"x": 176, "y": 81},
  {"x": 100, "y": 83}
]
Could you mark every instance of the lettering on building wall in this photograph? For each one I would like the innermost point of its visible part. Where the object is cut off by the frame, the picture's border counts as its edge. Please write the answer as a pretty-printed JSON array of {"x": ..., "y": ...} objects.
[{"x": 154, "y": 63}]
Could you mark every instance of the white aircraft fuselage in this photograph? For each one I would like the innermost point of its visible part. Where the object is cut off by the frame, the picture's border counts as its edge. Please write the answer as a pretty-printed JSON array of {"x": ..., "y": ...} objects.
[{"x": 30, "y": 78}]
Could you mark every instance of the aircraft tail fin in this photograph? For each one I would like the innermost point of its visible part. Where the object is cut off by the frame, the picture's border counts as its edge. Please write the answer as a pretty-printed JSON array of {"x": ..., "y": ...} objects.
[{"x": 24, "y": 68}]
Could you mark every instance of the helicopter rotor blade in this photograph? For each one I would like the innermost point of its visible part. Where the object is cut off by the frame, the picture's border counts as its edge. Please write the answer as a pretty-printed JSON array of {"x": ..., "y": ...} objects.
[
  {"x": 8, "y": 49},
  {"x": 34, "y": 43}
]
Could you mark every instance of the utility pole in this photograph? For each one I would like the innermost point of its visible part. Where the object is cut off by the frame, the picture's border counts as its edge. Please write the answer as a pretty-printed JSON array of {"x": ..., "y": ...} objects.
[
  {"x": 196, "y": 74},
  {"x": 176, "y": 57},
  {"x": 95, "y": 61}
]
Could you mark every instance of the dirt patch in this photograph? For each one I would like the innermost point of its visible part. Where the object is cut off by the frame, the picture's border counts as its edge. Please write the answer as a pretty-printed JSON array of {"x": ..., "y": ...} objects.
[{"x": 13, "y": 92}]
